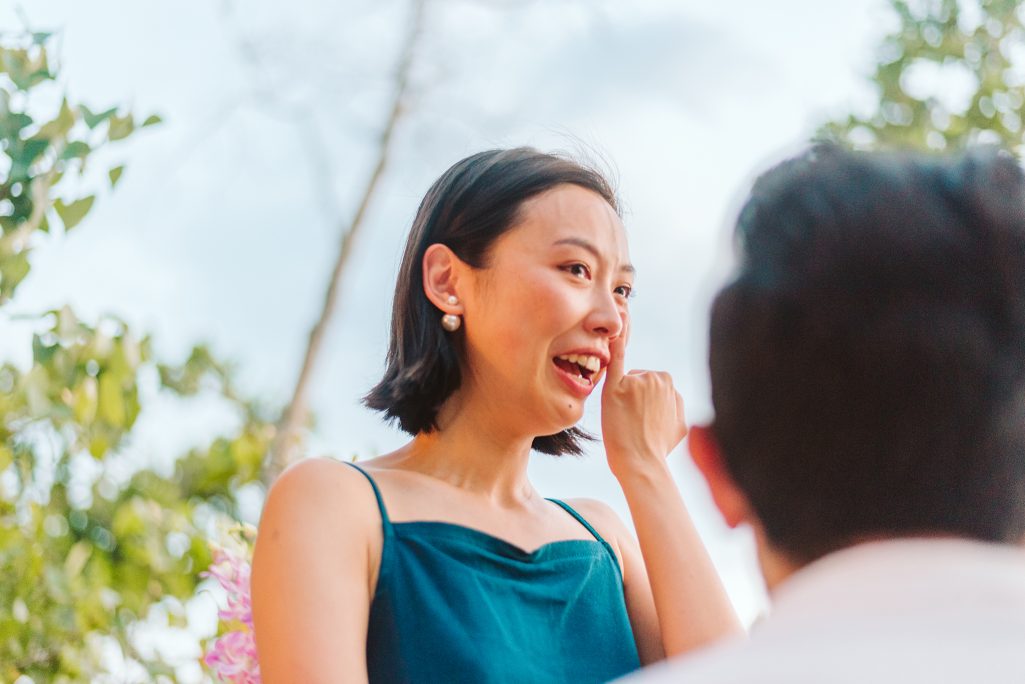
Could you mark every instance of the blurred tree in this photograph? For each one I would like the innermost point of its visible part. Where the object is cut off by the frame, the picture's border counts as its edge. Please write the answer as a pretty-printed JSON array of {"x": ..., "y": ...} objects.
[
  {"x": 951, "y": 74},
  {"x": 90, "y": 538},
  {"x": 286, "y": 447}
]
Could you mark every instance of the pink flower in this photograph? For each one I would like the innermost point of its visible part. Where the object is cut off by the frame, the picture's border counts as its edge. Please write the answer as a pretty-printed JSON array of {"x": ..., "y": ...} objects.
[
  {"x": 232, "y": 572},
  {"x": 232, "y": 657}
]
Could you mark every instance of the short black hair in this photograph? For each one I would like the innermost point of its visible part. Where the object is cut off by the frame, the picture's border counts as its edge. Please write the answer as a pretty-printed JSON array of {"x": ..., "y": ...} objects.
[
  {"x": 467, "y": 209},
  {"x": 868, "y": 359}
]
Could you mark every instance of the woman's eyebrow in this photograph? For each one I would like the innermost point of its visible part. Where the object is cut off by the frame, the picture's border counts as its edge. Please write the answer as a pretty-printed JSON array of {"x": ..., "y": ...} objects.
[{"x": 584, "y": 244}]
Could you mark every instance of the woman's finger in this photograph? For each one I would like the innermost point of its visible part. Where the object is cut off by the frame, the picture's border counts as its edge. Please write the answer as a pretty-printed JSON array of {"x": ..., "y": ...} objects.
[
  {"x": 681, "y": 418},
  {"x": 617, "y": 360}
]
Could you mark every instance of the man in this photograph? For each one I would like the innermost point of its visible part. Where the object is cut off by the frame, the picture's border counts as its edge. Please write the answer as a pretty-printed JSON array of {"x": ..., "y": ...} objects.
[{"x": 868, "y": 379}]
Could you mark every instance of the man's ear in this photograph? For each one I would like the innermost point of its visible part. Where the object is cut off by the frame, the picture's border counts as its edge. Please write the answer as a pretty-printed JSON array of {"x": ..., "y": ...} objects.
[
  {"x": 728, "y": 497},
  {"x": 442, "y": 269}
]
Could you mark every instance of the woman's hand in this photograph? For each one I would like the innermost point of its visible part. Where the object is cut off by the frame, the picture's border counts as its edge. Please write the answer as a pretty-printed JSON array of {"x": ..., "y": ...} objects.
[
  {"x": 679, "y": 589},
  {"x": 642, "y": 416}
]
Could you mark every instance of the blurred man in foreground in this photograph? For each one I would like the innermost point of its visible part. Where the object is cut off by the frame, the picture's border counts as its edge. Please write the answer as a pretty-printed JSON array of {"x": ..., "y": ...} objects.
[{"x": 868, "y": 379}]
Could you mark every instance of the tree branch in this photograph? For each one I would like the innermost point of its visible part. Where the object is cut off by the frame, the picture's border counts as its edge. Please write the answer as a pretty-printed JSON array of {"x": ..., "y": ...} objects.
[{"x": 285, "y": 448}]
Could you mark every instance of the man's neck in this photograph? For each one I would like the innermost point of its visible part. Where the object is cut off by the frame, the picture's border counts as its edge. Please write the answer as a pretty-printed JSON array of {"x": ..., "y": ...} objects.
[{"x": 776, "y": 565}]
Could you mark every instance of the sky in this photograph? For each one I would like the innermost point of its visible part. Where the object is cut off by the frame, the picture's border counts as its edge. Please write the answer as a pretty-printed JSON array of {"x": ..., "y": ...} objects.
[{"x": 226, "y": 222}]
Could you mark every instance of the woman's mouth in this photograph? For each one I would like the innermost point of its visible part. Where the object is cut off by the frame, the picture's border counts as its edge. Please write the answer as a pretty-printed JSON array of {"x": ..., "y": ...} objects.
[{"x": 582, "y": 369}]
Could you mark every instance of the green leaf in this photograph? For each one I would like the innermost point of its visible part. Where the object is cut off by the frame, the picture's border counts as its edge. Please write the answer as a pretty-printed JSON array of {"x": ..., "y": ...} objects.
[
  {"x": 12, "y": 123},
  {"x": 23, "y": 154},
  {"x": 129, "y": 520},
  {"x": 152, "y": 120},
  {"x": 85, "y": 401},
  {"x": 60, "y": 126},
  {"x": 98, "y": 446},
  {"x": 13, "y": 269},
  {"x": 112, "y": 401},
  {"x": 31, "y": 151},
  {"x": 76, "y": 150},
  {"x": 72, "y": 214},
  {"x": 120, "y": 127},
  {"x": 15, "y": 64},
  {"x": 24, "y": 68},
  {"x": 132, "y": 408},
  {"x": 42, "y": 354},
  {"x": 77, "y": 557},
  {"x": 93, "y": 120},
  {"x": 115, "y": 175}
]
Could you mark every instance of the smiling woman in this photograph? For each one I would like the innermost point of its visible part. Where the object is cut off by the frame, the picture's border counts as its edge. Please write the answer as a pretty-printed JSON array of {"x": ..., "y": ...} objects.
[
  {"x": 440, "y": 562},
  {"x": 464, "y": 218}
]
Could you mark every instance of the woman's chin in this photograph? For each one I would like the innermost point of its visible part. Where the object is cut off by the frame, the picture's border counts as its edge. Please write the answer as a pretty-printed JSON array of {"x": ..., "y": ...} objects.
[{"x": 567, "y": 417}]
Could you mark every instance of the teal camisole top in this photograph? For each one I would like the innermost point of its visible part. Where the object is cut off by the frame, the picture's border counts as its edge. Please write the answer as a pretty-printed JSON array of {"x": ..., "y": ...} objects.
[{"x": 454, "y": 604}]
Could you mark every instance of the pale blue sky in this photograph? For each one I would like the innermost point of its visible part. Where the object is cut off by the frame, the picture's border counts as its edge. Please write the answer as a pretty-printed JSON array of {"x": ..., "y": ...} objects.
[{"x": 217, "y": 231}]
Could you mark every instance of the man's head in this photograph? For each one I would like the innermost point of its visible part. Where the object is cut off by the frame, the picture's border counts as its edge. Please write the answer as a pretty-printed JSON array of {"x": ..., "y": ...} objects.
[{"x": 868, "y": 359}]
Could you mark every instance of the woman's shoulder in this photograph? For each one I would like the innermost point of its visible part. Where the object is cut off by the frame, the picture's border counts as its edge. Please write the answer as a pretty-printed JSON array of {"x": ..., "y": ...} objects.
[
  {"x": 313, "y": 476},
  {"x": 598, "y": 513},
  {"x": 605, "y": 521},
  {"x": 325, "y": 493},
  {"x": 314, "y": 571}
]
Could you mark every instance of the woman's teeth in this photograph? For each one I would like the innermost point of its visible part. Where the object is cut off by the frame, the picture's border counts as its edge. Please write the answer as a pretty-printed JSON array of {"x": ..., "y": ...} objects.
[{"x": 591, "y": 363}]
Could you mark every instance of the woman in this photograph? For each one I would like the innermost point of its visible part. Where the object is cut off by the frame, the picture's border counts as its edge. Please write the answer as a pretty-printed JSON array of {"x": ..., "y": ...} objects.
[{"x": 440, "y": 562}]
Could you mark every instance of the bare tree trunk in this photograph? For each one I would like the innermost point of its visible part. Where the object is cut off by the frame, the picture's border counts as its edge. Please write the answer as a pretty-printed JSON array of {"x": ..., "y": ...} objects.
[{"x": 286, "y": 445}]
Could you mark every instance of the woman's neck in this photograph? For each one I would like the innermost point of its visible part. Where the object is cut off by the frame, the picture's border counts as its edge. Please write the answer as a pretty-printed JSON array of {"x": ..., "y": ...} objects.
[{"x": 472, "y": 452}]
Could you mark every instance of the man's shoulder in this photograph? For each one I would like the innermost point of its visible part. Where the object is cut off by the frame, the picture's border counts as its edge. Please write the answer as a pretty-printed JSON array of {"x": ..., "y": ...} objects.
[
  {"x": 907, "y": 611},
  {"x": 851, "y": 656}
]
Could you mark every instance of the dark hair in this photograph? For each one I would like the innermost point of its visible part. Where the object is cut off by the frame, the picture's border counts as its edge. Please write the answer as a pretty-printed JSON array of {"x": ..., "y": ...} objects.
[
  {"x": 868, "y": 360},
  {"x": 473, "y": 204}
]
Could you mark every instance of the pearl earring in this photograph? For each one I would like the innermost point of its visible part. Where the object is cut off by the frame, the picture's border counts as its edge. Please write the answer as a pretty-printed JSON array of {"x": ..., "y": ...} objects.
[{"x": 451, "y": 322}]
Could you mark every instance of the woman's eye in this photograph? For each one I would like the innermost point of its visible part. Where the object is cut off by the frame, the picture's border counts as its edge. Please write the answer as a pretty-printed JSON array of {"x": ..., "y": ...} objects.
[
  {"x": 624, "y": 291},
  {"x": 579, "y": 270}
]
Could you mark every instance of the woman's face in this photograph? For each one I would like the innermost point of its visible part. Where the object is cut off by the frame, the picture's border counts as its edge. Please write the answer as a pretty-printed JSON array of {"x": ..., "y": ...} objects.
[{"x": 540, "y": 316}]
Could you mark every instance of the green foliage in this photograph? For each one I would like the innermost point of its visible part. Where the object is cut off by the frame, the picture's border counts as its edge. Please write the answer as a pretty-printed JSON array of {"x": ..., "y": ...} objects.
[
  {"x": 95, "y": 564},
  {"x": 91, "y": 536},
  {"x": 980, "y": 43},
  {"x": 39, "y": 155}
]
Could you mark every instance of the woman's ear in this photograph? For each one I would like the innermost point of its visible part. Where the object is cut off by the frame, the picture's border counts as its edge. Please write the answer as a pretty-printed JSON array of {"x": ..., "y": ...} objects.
[
  {"x": 707, "y": 456},
  {"x": 442, "y": 270}
]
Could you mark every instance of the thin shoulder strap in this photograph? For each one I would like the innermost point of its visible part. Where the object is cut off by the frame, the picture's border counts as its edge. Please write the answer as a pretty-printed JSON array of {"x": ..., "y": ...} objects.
[
  {"x": 580, "y": 519},
  {"x": 385, "y": 522}
]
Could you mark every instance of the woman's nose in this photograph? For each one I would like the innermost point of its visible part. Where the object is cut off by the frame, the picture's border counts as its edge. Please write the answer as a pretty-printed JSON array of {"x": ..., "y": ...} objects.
[{"x": 607, "y": 317}]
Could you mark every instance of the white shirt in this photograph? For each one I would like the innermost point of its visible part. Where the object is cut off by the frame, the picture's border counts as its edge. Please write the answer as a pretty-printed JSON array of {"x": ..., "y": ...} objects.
[{"x": 936, "y": 611}]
